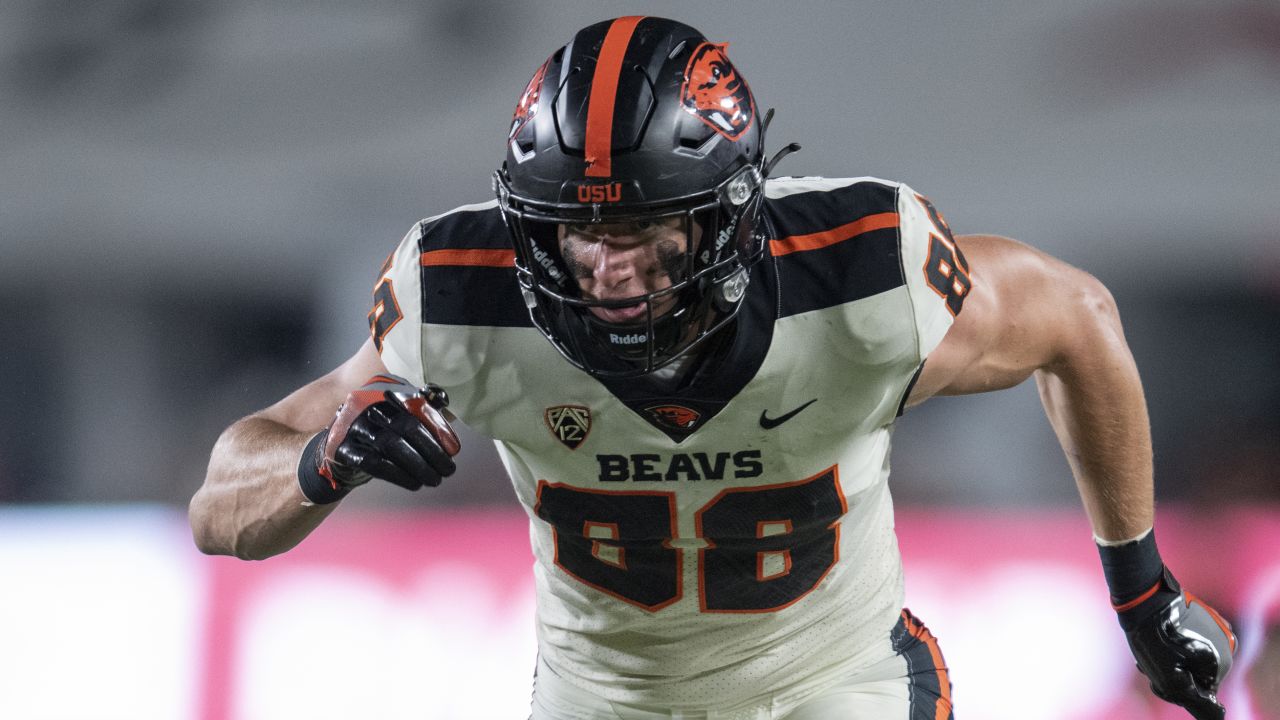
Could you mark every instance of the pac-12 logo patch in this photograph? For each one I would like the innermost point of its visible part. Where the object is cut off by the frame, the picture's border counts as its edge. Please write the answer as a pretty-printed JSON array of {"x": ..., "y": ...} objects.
[
  {"x": 674, "y": 416},
  {"x": 715, "y": 92},
  {"x": 569, "y": 424}
]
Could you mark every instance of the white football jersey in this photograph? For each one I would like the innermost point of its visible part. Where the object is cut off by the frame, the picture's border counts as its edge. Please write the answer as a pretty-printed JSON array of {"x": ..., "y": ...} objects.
[{"x": 732, "y": 538}]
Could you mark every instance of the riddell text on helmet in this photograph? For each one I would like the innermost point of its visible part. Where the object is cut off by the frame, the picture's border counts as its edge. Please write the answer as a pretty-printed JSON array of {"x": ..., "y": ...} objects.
[{"x": 544, "y": 259}]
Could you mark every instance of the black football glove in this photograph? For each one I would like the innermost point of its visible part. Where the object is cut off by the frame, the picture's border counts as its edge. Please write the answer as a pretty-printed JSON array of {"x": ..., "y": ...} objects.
[
  {"x": 1182, "y": 645},
  {"x": 387, "y": 429}
]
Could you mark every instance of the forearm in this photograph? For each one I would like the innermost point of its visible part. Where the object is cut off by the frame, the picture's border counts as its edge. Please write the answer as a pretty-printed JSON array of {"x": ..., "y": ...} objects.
[
  {"x": 1029, "y": 314},
  {"x": 250, "y": 504},
  {"x": 1093, "y": 397}
]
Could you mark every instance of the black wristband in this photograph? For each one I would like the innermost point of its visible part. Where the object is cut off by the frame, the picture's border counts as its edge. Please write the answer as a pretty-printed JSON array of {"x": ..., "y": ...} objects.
[
  {"x": 316, "y": 487},
  {"x": 1136, "y": 578},
  {"x": 1132, "y": 568}
]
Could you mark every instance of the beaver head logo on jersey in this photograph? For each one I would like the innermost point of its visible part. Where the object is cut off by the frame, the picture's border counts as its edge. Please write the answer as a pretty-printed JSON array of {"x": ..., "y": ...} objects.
[
  {"x": 715, "y": 92},
  {"x": 675, "y": 416},
  {"x": 528, "y": 105}
]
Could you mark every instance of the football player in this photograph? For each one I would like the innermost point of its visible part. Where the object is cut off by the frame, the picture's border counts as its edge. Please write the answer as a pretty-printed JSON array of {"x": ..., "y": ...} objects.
[{"x": 692, "y": 371}]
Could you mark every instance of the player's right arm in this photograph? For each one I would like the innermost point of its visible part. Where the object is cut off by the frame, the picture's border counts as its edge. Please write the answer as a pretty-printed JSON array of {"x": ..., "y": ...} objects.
[
  {"x": 251, "y": 504},
  {"x": 275, "y": 475}
]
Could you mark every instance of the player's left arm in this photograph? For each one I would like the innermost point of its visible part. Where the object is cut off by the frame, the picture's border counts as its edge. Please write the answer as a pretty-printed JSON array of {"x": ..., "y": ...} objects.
[{"x": 1030, "y": 314}]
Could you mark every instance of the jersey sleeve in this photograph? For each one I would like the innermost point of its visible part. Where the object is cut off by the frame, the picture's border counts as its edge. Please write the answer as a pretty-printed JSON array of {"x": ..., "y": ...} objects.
[
  {"x": 395, "y": 320},
  {"x": 937, "y": 273}
]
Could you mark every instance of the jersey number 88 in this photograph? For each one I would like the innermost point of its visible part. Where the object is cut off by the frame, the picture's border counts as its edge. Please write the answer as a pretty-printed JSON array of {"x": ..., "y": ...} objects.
[{"x": 764, "y": 547}]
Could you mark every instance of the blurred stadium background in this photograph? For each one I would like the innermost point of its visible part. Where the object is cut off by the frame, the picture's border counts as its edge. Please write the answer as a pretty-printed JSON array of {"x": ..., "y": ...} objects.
[{"x": 195, "y": 197}]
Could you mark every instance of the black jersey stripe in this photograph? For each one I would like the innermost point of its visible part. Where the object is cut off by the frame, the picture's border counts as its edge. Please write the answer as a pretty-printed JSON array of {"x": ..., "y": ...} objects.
[
  {"x": 841, "y": 273},
  {"x": 823, "y": 208},
  {"x": 465, "y": 273},
  {"x": 834, "y": 245},
  {"x": 929, "y": 684},
  {"x": 826, "y": 238},
  {"x": 906, "y": 647},
  {"x": 472, "y": 295},
  {"x": 468, "y": 227}
]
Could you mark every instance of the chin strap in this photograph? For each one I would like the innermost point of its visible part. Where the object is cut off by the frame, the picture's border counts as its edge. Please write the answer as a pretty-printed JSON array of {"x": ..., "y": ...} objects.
[
  {"x": 790, "y": 148},
  {"x": 768, "y": 168}
]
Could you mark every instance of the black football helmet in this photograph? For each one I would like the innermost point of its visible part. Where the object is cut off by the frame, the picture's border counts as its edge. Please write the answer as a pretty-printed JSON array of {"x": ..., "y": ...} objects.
[{"x": 637, "y": 119}]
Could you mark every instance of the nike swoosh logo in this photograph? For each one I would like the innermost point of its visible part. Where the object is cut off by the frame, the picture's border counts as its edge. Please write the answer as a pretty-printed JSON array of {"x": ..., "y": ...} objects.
[{"x": 769, "y": 423}]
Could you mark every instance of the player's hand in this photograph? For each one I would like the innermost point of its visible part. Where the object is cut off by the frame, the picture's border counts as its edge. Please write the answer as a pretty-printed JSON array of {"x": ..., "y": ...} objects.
[
  {"x": 1183, "y": 646},
  {"x": 391, "y": 430}
]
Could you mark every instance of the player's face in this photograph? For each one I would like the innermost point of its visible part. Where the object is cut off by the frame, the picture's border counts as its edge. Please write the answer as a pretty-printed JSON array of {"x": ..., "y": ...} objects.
[{"x": 626, "y": 260}]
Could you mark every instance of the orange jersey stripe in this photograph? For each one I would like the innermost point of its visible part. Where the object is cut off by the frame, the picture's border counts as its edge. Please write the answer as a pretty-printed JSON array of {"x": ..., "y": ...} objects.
[
  {"x": 917, "y": 629},
  {"x": 943, "y": 710},
  {"x": 604, "y": 91},
  {"x": 473, "y": 258},
  {"x": 813, "y": 241}
]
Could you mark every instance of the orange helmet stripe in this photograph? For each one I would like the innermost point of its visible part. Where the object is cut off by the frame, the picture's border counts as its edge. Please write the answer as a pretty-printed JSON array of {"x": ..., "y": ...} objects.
[{"x": 604, "y": 91}]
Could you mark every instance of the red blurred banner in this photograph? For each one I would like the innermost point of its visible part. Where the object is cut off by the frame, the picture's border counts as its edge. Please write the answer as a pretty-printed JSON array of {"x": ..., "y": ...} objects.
[{"x": 1006, "y": 592}]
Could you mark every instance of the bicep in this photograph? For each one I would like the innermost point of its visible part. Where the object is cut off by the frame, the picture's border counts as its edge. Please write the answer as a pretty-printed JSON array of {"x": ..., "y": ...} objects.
[
  {"x": 311, "y": 407},
  {"x": 1018, "y": 315}
]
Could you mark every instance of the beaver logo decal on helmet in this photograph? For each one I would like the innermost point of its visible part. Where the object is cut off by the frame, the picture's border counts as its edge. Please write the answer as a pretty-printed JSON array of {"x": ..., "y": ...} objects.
[
  {"x": 528, "y": 105},
  {"x": 715, "y": 92}
]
